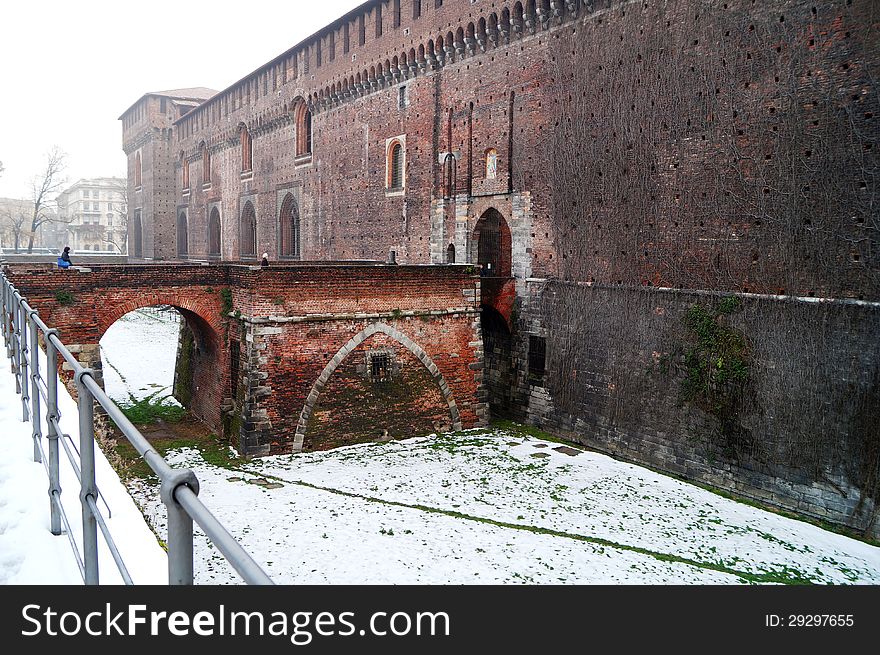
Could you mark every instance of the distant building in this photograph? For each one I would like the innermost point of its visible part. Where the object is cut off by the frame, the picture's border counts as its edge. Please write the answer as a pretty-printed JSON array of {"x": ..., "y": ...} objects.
[{"x": 93, "y": 214}]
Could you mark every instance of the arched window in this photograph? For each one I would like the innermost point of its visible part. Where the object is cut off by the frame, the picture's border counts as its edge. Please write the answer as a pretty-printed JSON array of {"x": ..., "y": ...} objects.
[
  {"x": 138, "y": 234},
  {"x": 289, "y": 228},
  {"x": 303, "y": 121},
  {"x": 182, "y": 235},
  {"x": 491, "y": 164},
  {"x": 248, "y": 235},
  {"x": 137, "y": 169},
  {"x": 247, "y": 160},
  {"x": 206, "y": 165},
  {"x": 214, "y": 233},
  {"x": 395, "y": 165},
  {"x": 450, "y": 254}
]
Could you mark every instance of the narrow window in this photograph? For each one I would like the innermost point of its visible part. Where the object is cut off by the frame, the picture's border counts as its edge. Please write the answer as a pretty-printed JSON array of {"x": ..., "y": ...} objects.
[
  {"x": 362, "y": 30},
  {"x": 417, "y": 8},
  {"x": 396, "y": 13},
  {"x": 247, "y": 161},
  {"x": 303, "y": 119},
  {"x": 137, "y": 169},
  {"x": 401, "y": 98},
  {"x": 184, "y": 165},
  {"x": 395, "y": 166},
  {"x": 318, "y": 52},
  {"x": 162, "y": 106},
  {"x": 450, "y": 254},
  {"x": 346, "y": 42},
  {"x": 331, "y": 46},
  {"x": 537, "y": 359},
  {"x": 378, "y": 21},
  {"x": 206, "y": 165}
]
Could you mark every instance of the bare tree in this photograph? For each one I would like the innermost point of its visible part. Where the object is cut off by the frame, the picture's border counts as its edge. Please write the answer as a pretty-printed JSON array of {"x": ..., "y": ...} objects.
[
  {"x": 46, "y": 188},
  {"x": 120, "y": 243},
  {"x": 15, "y": 214}
]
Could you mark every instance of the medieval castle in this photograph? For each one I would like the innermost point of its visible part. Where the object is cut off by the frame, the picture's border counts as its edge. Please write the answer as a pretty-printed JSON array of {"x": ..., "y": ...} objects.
[{"x": 667, "y": 211}]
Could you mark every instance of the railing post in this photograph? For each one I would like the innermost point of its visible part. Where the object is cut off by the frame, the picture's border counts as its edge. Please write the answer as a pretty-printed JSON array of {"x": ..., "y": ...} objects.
[
  {"x": 180, "y": 527},
  {"x": 15, "y": 341},
  {"x": 3, "y": 285},
  {"x": 52, "y": 415},
  {"x": 87, "y": 479},
  {"x": 36, "y": 418},
  {"x": 25, "y": 354}
]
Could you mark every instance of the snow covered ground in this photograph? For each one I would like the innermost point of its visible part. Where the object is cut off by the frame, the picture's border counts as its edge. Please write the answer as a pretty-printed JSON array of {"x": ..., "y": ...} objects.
[
  {"x": 478, "y": 507},
  {"x": 29, "y": 553},
  {"x": 138, "y": 353}
]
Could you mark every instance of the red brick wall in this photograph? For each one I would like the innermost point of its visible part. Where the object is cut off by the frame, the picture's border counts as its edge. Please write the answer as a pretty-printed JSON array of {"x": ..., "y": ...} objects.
[{"x": 288, "y": 323}]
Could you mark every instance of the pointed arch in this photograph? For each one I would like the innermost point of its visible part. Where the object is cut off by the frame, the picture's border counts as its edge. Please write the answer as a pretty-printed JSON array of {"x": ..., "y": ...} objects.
[
  {"x": 345, "y": 351},
  {"x": 182, "y": 235},
  {"x": 248, "y": 232},
  {"x": 214, "y": 233},
  {"x": 288, "y": 226},
  {"x": 302, "y": 118}
]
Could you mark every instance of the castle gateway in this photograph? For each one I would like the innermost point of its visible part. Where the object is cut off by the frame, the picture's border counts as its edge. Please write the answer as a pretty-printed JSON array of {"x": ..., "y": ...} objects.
[{"x": 672, "y": 206}]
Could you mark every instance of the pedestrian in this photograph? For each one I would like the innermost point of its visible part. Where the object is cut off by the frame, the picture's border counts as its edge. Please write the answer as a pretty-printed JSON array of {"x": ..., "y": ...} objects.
[
  {"x": 64, "y": 261},
  {"x": 265, "y": 262}
]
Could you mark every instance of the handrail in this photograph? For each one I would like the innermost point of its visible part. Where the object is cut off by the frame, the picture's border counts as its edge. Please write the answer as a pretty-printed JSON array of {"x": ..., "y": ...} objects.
[{"x": 22, "y": 327}]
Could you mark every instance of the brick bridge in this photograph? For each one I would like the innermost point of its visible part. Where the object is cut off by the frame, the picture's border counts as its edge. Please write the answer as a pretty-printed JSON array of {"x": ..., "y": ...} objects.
[{"x": 298, "y": 357}]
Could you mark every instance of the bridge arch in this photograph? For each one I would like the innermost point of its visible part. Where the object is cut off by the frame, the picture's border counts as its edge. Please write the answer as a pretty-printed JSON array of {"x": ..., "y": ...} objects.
[
  {"x": 186, "y": 300},
  {"x": 346, "y": 350}
]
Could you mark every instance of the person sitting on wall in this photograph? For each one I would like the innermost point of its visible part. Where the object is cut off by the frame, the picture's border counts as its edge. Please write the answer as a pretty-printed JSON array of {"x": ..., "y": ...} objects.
[
  {"x": 265, "y": 262},
  {"x": 64, "y": 260}
]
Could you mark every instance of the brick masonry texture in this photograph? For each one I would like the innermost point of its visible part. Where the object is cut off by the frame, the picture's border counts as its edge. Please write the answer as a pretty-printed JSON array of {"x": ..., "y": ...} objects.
[
  {"x": 258, "y": 356},
  {"x": 728, "y": 147}
]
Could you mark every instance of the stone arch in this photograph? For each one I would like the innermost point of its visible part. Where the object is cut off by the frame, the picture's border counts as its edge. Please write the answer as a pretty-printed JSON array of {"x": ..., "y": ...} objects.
[
  {"x": 491, "y": 244},
  {"x": 339, "y": 357}
]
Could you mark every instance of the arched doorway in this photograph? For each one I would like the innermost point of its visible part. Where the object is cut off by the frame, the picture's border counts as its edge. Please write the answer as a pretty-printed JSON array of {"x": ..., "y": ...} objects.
[
  {"x": 492, "y": 243},
  {"x": 214, "y": 233},
  {"x": 289, "y": 228},
  {"x": 248, "y": 229},
  {"x": 182, "y": 235},
  {"x": 138, "y": 235},
  {"x": 498, "y": 374}
]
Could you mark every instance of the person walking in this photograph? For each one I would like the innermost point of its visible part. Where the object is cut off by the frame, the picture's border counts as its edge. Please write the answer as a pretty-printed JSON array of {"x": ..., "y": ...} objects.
[{"x": 265, "y": 262}]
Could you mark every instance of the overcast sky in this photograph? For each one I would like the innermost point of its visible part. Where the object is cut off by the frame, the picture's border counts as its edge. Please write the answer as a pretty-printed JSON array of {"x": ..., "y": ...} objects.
[{"x": 69, "y": 69}]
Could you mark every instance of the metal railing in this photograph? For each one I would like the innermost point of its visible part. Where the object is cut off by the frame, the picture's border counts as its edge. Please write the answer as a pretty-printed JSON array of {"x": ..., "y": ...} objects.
[{"x": 22, "y": 328}]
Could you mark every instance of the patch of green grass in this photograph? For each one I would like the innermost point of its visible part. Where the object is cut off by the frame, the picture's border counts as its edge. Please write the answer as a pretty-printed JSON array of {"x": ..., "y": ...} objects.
[
  {"x": 212, "y": 449},
  {"x": 151, "y": 409}
]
